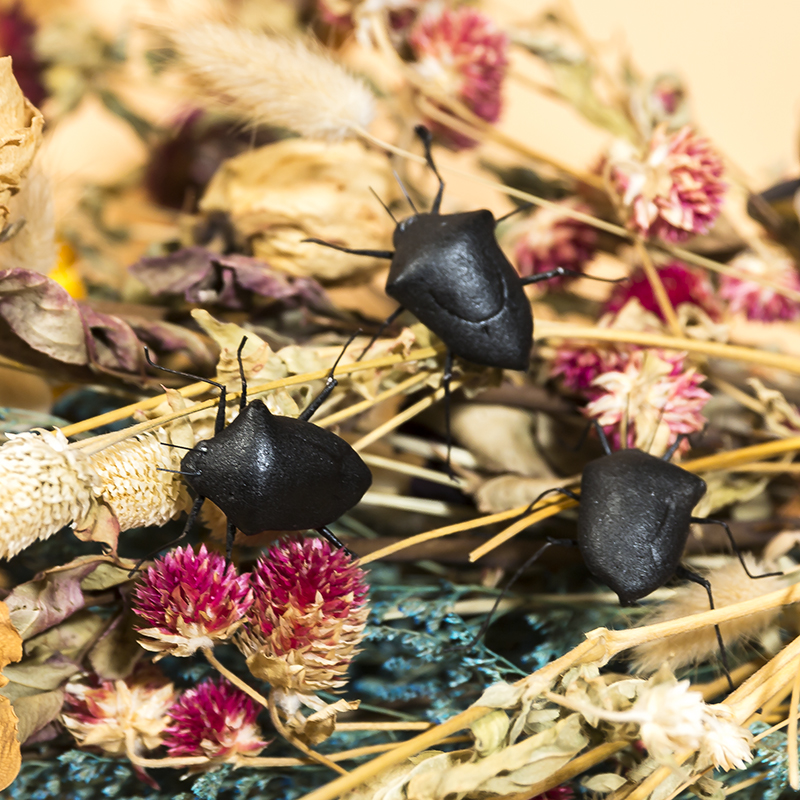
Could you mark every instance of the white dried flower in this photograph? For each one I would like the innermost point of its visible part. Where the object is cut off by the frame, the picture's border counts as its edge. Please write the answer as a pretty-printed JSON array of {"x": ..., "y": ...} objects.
[
  {"x": 46, "y": 485},
  {"x": 133, "y": 486},
  {"x": 725, "y": 744},
  {"x": 275, "y": 81},
  {"x": 670, "y": 717}
]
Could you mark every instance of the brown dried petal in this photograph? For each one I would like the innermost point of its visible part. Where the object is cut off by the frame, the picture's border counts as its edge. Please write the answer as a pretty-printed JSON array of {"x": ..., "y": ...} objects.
[{"x": 10, "y": 650}]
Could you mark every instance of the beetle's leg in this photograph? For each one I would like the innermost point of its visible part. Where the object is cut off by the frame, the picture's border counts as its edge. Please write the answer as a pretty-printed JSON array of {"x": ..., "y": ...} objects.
[
  {"x": 447, "y": 376},
  {"x": 485, "y": 625},
  {"x": 230, "y": 535},
  {"x": 556, "y": 489},
  {"x": 601, "y": 435},
  {"x": 523, "y": 207},
  {"x": 353, "y": 251},
  {"x": 425, "y": 135},
  {"x": 325, "y": 533},
  {"x": 220, "y": 421},
  {"x": 709, "y": 521},
  {"x": 561, "y": 272},
  {"x": 684, "y": 572},
  {"x": 243, "y": 398},
  {"x": 682, "y": 437},
  {"x": 384, "y": 325},
  {"x": 330, "y": 384},
  {"x": 186, "y": 528}
]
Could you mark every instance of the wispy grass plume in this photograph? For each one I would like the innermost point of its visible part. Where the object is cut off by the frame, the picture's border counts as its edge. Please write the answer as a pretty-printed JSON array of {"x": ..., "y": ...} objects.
[
  {"x": 730, "y": 585},
  {"x": 274, "y": 81}
]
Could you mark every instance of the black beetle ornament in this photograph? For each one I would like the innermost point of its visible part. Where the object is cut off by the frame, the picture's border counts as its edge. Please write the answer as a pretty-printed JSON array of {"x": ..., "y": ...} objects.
[
  {"x": 449, "y": 271},
  {"x": 634, "y": 517},
  {"x": 269, "y": 472}
]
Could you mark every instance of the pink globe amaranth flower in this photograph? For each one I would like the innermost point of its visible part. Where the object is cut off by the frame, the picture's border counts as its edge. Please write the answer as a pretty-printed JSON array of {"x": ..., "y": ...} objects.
[
  {"x": 657, "y": 395},
  {"x": 307, "y": 617},
  {"x": 683, "y": 284},
  {"x": 549, "y": 239},
  {"x": 216, "y": 720},
  {"x": 759, "y": 302},
  {"x": 348, "y": 14},
  {"x": 114, "y": 714},
  {"x": 674, "y": 191},
  {"x": 579, "y": 364},
  {"x": 191, "y": 600},
  {"x": 465, "y": 55}
]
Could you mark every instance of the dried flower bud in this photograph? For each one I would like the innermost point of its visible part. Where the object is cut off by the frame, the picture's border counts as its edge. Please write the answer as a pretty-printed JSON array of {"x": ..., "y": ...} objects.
[
  {"x": 549, "y": 239},
  {"x": 135, "y": 489},
  {"x": 111, "y": 715},
  {"x": 683, "y": 284},
  {"x": 281, "y": 194},
  {"x": 46, "y": 485},
  {"x": 307, "y": 618},
  {"x": 725, "y": 744},
  {"x": 759, "y": 302},
  {"x": 214, "y": 719},
  {"x": 674, "y": 190},
  {"x": 192, "y": 600},
  {"x": 656, "y": 394},
  {"x": 464, "y": 54}
]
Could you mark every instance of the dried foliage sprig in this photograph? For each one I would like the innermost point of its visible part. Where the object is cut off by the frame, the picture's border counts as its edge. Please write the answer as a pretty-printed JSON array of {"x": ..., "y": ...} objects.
[{"x": 274, "y": 81}]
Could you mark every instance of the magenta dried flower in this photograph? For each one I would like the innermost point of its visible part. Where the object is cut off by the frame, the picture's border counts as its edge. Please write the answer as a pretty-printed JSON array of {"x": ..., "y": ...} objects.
[
  {"x": 216, "y": 720},
  {"x": 756, "y": 301},
  {"x": 191, "y": 600},
  {"x": 683, "y": 284},
  {"x": 579, "y": 364},
  {"x": 464, "y": 54},
  {"x": 307, "y": 617},
  {"x": 115, "y": 715},
  {"x": 658, "y": 397},
  {"x": 549, "y": 238},
  {"x": 675, "y": 190}
]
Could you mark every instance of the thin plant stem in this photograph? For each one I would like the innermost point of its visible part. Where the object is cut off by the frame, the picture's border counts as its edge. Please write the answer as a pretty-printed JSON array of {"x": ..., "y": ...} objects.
[
  {"x": 662, "y": 298},
  {"x": 791, "y": 743},
  {"x": 404, "y": 468}
]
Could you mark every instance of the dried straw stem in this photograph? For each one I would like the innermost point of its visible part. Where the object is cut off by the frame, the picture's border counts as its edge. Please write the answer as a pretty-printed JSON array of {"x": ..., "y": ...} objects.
[{"x": 662, "y": 298}]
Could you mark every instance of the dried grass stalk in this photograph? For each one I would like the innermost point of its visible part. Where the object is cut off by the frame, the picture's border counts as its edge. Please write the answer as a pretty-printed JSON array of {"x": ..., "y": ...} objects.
[
  {"x": 729, "y": 585},
  {"x": 275, "y": 81}
]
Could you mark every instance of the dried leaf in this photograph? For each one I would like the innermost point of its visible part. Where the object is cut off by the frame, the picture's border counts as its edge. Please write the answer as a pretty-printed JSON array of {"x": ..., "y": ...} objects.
[
  {"x": 727, "y": 488},
  {"x": 510, "y": 491},
  {"x": 68, "y": 639},
  {"x": 117, "y": 651},
  {"x": 20, "y": 134},
  {"x": 490, "y": 732},
  {"x": 10, "y": 650},
  {"x": 604, "y": 783},
  {"x": 285, "y": 192},
  {"x": 37, "y": 711},
  {"x": 501, "y": 695},
  {"x": 232, "y": 281}
]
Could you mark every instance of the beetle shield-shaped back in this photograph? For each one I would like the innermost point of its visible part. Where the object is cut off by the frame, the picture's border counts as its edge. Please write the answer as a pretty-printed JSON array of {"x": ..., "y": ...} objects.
[
  {"x": 269, "y": 472},
  {"x": 635, "y": 513},
  {"x": 450, "y": 272}
]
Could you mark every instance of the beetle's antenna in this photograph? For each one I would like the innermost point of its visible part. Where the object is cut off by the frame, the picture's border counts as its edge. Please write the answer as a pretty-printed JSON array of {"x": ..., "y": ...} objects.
[
  {"x": 219, "y": 424},
  {"x": 352, "y": 250},
  {"x": 243, "y": 398},
  {"x": 404, "y": 191},
  {"x": 426, "y": 137},
  {"x": 384, "y": 325},
  {"x": 523, "y": 207},
  {"x": 177, "y": 471},
  {"x": 563, "y": 272},
  {"x": 182, "y": 446},
  {"x": 388, "y": 210}
]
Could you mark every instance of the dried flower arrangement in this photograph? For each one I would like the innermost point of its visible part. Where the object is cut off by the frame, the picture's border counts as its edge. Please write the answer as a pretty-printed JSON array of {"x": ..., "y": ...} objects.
[{"x": 299, "y": 670}]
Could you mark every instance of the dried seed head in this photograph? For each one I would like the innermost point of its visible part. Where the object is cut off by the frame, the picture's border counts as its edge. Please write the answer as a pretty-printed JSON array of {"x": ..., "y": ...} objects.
[
  {"x": 214, "y": 719},
  {"x": 308, "y": 616},
  {"x": 725, "y": 744},
  {"x": 46, "y": 485},
  {"x": 729, "y": 585},
  {"x": 132, "y": 485},
  {"x": 106, "y": 714},
  {"x": 274, "y": 81},
  {"x": 191, "y": 600}
]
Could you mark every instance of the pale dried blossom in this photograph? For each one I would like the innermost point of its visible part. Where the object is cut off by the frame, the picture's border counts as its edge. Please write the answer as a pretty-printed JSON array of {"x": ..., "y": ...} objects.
[
  {"x": 365, "y": 15},
  {"x": 191, "y": 600},
  {"x": 725, "y": 744},
  {"x": 307, "y": 618},
  {"x": 216, "y": 720},
  {"x": 674, "y": 190},
  {"x": 657, "y": 396},
  {"x": 46, "y": 485},
  {"x": 134, "y": 483},
  {"x": 683, "y": 284},
  {"x": 756, "y": 301},
  {"x": 550, "y": 238},
  {"x": 729, "y": 585},
  {"x": 463, "y": 53},
  {"x": 115, "y": 715},
  {"x": 274, "y": 81}
]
